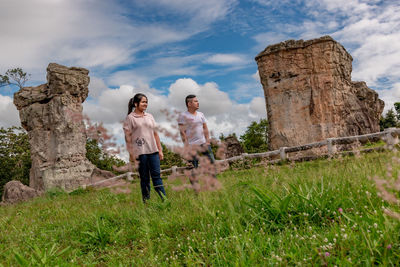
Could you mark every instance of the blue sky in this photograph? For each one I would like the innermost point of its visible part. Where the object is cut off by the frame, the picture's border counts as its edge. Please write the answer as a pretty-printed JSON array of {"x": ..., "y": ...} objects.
[{"x": 169, "y": 48}]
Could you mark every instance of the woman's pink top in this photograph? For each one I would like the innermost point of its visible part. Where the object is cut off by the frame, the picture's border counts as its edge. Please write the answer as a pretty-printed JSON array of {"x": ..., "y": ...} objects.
[{"x": 141, "y": 129}]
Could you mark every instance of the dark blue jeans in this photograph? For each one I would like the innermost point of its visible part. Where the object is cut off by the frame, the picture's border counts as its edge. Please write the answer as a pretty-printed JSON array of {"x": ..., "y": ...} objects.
[
  {"x": 205, "y": 151},
  {"x": 149, "y": 165}
]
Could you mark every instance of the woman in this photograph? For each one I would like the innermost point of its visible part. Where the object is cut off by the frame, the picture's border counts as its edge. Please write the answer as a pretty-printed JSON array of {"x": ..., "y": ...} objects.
[{"x": 143, "y": 144}]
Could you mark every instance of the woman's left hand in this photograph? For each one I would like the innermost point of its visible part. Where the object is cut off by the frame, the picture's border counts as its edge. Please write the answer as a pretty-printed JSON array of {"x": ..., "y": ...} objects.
[{"x": 161, "y": 155}]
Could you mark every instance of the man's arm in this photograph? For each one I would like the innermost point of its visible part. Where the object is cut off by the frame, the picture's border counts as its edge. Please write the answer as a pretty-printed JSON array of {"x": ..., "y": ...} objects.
[
  {"x": 206, "y": 133},
  {"x": 183, "y": 133}
]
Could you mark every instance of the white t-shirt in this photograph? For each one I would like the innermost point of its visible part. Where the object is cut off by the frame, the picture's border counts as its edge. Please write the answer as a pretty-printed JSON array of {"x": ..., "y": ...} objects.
[{"x": 193, "y": 127}]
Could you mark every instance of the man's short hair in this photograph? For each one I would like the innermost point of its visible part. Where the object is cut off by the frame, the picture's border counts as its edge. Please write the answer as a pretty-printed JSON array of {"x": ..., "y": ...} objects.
[{"x": 188, "y": 98}]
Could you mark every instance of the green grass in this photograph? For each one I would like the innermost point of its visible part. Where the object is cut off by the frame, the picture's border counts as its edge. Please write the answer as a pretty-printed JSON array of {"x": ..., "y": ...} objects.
[{"x": 280, "y": 215}]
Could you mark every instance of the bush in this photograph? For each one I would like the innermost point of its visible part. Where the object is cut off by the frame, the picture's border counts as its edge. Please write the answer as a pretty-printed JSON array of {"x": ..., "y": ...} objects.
[
  {"x": 99, "y": 158},
  {"x": 170, "y": 158},
  {"x": 15, "y": 156}
]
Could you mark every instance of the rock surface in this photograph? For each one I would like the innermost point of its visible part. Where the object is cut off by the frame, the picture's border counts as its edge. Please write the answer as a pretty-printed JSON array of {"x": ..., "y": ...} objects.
[
  {"x": 232, "y": 147},
  {"x": 310, "y": 95},
  {"x": 15, "y": 191},
  {"x": 52, "y": 115}
]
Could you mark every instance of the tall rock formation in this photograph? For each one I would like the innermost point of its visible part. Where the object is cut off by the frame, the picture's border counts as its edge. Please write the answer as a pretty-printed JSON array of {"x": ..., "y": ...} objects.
[
  {"x": 52, "y": 115},
  {"x": 310, "y": 95}
]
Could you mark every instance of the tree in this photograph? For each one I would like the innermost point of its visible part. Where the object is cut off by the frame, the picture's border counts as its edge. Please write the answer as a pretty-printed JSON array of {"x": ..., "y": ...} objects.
[
  {"x": 15, "y": 156},
  {"x": 397, "y": 108},
  {"x": 388, "y": 121},
  {"x": 222, "y": 137},
  {"x": 14, "y": 77},
  {"x": 170, "y": 158},
  {"x": 99, "y": 158},
  {"x": 255, "y": 139}
]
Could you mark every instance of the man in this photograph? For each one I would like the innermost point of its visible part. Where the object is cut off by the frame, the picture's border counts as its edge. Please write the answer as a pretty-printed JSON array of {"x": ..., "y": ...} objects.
[{"x": 194, "y": 131}]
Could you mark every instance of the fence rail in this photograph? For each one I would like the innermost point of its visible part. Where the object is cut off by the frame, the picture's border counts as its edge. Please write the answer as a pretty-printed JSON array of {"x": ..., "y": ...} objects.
[{"x": 390, "y": 136}]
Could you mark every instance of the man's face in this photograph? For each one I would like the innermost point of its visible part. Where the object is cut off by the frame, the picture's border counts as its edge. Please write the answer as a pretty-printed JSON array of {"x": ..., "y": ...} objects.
[{"x": 194, "y": 103}]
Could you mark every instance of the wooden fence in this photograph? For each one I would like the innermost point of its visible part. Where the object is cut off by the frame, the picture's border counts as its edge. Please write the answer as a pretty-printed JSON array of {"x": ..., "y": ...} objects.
[{"x": 390, "y": 136}]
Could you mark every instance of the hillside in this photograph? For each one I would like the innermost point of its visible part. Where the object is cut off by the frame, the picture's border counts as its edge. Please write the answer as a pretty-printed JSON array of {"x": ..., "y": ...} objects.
[{"x": 324, "y": 212}]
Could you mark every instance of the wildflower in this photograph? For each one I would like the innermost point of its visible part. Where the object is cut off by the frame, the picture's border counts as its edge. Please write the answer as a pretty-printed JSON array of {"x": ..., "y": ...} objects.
[
  {"x": 340, "y": 210},
  {"x": 326, "y": 240},
  {"x": 389, "y": 246},
  {"x": 375, "y": 225},
  {"x": 327, "y": 254}
]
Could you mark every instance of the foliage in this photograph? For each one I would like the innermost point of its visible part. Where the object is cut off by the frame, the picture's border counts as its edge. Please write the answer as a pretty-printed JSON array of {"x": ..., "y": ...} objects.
[
  {"x": 391, "y": 119},
  {"x": 40, "y": 257},
  {"x": 15, "y": 156},
  {"x": 320, "y": 213},
  {"x": 255, "y": 139},
  {"x": 14, "y": 77},
  {"x": 388, "y": 121},
  {"x": 170, "y": 158},
  {"x": 397, "y": 108},
  {"x": 222, "y": 137},
  {"x": 99, "y": 158},
  {"x": 101, "y": 235}
]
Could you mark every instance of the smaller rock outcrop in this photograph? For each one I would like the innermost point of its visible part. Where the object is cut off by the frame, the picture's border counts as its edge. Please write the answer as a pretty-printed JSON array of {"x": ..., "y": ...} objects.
[
  {"x": 15, "y": 191},
  {"x": 232, "y": 147}
]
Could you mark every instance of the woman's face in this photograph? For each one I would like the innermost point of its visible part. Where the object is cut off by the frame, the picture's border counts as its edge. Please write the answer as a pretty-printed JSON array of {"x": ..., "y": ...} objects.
[{"x": 142, "y": 106}]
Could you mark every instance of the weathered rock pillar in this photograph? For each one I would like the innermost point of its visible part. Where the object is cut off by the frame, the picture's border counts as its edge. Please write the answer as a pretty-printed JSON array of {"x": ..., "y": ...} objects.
[
  {"x": 52, "y": 115},
  {"x": 310, "y": 95}
]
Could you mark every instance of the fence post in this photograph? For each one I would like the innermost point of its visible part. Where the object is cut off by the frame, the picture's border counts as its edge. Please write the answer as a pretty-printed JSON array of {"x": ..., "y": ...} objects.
[
  {"x": 174, "y": 170},
  {"x": 129, "y": 176},
  {"x": 331, "y": 147},
  {"x": 391, "y": 140},
  {"x": 282, "y": 153}
]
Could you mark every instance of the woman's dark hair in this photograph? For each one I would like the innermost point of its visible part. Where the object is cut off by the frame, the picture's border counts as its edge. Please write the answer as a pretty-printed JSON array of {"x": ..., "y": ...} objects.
[
  {"x": 188, "y": 98},
  {"x": 135, "y": 100}
]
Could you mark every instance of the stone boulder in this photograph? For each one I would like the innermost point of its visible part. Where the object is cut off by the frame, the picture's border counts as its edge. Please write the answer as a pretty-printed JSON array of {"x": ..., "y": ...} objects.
[
  {"x": 15, "y": 191},
  {"x": 232, "y": 147},
  {"x": 310, "y": 95},
  {"x": 52, "y": 115}
]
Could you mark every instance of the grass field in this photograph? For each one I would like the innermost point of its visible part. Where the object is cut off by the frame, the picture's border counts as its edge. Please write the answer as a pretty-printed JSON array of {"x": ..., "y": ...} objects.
[{"x": 324, "y": 212}]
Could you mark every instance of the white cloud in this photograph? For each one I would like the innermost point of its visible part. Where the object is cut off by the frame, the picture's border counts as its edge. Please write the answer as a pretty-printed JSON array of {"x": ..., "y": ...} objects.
[
  {"x": 158, "y": 67},
  {"x": 390, "y": 96},
  {"x": 227, "y": 59},
  {"x": 9, "y": 115},
  {"x": 268, "y": 38},
  {"x": 258, "y": 106},
  {"x": 256, "y": 76},
  {"x": 83, "y": 33},
  {"x": 96, "y": 87},
  {"x": 200, "y": 14},
  {"x": 368, "y": 29},
  {"x": 212, "y": 100},
  {"x": 222, "y": 113}
]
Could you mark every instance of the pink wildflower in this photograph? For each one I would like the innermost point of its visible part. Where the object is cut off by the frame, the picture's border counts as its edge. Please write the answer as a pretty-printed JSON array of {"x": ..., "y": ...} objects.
[
  {"x": 327, "y": 254},
  {"x": 340, "y": 210},
  {"x": 389, "y": 246}
]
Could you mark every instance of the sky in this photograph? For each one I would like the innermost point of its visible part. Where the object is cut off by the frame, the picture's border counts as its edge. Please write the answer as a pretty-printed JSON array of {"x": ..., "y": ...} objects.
[{"x": 168, "y": 49}]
